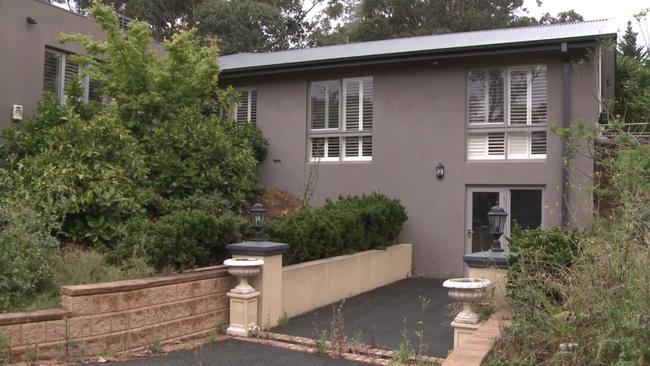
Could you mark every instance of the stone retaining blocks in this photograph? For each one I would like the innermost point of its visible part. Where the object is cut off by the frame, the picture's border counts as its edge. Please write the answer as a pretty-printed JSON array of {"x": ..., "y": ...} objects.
[{"x": 122, "y": 316}]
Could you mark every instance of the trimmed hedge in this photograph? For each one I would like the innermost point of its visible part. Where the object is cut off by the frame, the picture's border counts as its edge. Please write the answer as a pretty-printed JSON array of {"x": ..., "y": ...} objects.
[{"x": 349, "y": 225}]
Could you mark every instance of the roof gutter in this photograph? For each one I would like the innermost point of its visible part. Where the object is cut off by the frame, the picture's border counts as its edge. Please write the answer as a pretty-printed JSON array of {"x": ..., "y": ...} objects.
[{"x": 404, "y": 57}]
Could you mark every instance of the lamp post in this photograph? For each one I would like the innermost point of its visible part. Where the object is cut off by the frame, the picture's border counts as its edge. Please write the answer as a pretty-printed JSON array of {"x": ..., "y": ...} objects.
[
  {"x": 497, "y": 218},
  {"x": 257, "y": 213}
]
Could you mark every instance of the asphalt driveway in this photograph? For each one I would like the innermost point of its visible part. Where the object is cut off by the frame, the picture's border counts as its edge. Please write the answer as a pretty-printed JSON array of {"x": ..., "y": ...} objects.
[
  {"x": 232, "y": 352},
  {"x": 382, "y": 316}
]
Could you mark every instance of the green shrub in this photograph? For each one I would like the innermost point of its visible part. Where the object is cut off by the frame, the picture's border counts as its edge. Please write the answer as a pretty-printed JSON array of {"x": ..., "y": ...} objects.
[
  {"x": 558, "y": 244},
  {"x": 191, "y": 153},
  {"x": 87, "y": 175},
  {"x": 541, "y": 254},
  {"x": 349, "y": 225},
  {"x": 182, "y": 239},
  {"x": 26, "y": 255}
]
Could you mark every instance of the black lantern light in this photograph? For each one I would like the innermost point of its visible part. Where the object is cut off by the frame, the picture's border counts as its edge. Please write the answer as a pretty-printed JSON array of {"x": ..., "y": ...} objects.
[
  {"x": 497, "y": 218},
  {"x": 257, "y": 213},
  {"x": 440, "y": 171}
]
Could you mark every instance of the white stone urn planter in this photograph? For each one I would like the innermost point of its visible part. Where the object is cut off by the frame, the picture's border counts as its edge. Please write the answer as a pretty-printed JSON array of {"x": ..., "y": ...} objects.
[
  {"x": 243, "y": 268},
  {"x": 467, "y": 291}
]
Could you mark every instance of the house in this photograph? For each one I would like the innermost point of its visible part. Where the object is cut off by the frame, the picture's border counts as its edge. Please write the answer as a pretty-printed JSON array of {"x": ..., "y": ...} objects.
[
  {"x": 450, "y": 124},
  {"x": 32, "y": 60}
]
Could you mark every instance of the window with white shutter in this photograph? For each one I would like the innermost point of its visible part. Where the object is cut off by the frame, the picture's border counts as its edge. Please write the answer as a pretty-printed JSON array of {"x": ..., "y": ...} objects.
[
  {"x": 59, "y": 71},
  {"x": 246, "y": 108},
  {"x": 507, "y": 113},
  {"x": 340, "y": 120},
  {"x": 52, "y": 72}
]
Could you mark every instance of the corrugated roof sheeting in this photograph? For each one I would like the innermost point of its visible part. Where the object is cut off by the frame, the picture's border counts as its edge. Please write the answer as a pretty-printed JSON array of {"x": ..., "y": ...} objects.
[{"x": 417, "y": 45}]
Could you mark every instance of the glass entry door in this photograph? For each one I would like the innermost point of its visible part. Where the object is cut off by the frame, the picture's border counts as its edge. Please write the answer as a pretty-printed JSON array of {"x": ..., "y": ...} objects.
[
  {"x": 480, "y": 200},
  {"x": 523, "y": 205}
]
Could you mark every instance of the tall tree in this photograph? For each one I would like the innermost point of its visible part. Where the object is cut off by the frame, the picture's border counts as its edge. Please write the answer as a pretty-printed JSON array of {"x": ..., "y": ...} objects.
[
  {"x": 241, "y": 25},
  {"x": 628, "y": 45},
  {"x": 366, "y": 20}
]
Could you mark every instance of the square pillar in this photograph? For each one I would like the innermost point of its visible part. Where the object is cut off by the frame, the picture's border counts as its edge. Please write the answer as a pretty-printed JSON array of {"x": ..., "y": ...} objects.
[
  {"x": 269, "y": 281},
  {"x": 243, "y": 313},
  {"x": 492, "y": 266},
  {"x": 462, "y": 331}
]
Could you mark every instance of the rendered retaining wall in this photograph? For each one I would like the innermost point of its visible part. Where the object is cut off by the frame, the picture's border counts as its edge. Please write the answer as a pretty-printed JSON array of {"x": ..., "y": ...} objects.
[
  {"x": 310, "y": 285},
  {"x": 116, "y": 317}
]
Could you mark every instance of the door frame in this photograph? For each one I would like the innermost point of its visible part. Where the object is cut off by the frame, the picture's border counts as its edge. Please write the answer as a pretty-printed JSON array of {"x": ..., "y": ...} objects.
[{"x": 504, "y": 201}]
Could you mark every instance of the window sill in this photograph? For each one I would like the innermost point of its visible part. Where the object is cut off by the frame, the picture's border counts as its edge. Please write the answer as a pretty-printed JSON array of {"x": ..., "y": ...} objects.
[
  {"x": 343, "y": 162},
  {"x": 507, "y": 160}
]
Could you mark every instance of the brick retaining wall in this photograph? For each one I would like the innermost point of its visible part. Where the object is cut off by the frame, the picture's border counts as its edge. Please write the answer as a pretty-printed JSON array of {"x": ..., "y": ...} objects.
[{"x": 122, "y": 316}]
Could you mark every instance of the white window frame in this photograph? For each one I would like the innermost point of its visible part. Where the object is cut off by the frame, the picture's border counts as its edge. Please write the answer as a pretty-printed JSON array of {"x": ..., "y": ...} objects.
[
  {"x": 341, "y": 132},
  {"x": 249, "y": 109},
  {"x": 506, "y": 127},
  {"x": 325, "y": 157}
]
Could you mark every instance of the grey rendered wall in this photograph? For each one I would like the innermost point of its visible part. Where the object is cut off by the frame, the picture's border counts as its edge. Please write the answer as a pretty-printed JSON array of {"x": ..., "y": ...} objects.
[
  {"x": 23, "y": 46},
  {"x": 420, "y": 119}
]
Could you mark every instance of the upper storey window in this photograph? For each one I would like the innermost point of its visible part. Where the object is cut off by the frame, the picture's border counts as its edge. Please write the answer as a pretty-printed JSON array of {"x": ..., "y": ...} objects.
[
  {"x": 507, "y": 113},
  {"x": 340, "y": 120}
]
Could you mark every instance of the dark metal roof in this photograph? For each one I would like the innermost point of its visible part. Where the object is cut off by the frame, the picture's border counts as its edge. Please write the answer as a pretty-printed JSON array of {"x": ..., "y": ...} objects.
[{"x": 401, "y": 47}]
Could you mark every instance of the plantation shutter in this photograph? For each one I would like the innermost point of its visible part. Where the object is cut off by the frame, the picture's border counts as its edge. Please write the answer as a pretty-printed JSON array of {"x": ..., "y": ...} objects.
[
  {"x": 351, "y": 147},
  {"x": 317, "y": 147},
  {"x": 241, "y": 112},
  {"x": 94, "y": 91},
  {"x": 352, "y": 106},
  {"x": 358, "y": 104},
  {"x": 366, "y": 151},
  {"x": 325, "y": 148},
  {"x": 496, "y": 92},
  {"x": 518, "y": 96},
  {"x": 518, "y": 145},
  {"x": 476, "y": 89},
  {"x": 51, "y": 72},
  {"x": 486, "y": 90},
  {"x": 486, "y": 146},
  {"x": 252, "y": 113},
  {"x": 366, "y": 110},
  {"x": 539, "y": 95},
  {"x": 538, "y": 144},
  {"x": 325, "y": 104},
  {"x": 71, "y": 72}
]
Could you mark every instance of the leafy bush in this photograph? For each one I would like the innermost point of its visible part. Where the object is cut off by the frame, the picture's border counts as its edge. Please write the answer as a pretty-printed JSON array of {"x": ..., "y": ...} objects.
[
  {"x": 597, "y": 298},
  {"x": 26, "y": 255},
  {"x": 349, "y": 225},
  {"x": 191, "y": 153},
  {"x": 558, "y": 244},
  {"x": 182, "y": 239},
  {"x": 87, "y": 174}
]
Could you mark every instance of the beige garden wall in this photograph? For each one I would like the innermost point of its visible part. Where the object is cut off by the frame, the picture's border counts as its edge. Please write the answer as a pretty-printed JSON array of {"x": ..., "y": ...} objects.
[{"x": 310, "y": 285}]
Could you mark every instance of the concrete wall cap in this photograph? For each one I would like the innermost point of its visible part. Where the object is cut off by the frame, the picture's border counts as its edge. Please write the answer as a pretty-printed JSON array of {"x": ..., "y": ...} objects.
[
  {"x": 136, "y": 284},
  {"x": 488, "y": 259},
  {"x": 32, "y": 317},
  {"x": 257, "y": 248}
]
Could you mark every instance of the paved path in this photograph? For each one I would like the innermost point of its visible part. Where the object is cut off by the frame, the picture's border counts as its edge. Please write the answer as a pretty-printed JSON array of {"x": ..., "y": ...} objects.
[
  {"x": 237, "y": 353},
  {"x": 379, "y": 317}
]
